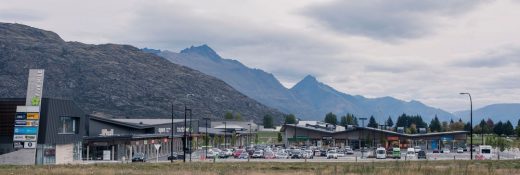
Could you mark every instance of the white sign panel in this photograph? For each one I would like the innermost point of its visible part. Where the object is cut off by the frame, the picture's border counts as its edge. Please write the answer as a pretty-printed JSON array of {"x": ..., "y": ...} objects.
[
  {"x": 29, "y": 144},
  {"x": 157, "y": 146},
  {"x": 34, "y": 87}
]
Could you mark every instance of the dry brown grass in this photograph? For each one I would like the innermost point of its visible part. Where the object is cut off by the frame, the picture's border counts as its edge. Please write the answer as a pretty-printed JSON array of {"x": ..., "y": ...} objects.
[{"x": 277, "y": 168}]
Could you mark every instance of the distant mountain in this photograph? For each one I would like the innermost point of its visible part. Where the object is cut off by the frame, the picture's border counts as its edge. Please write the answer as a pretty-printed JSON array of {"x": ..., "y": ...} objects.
[
  {"x": 308, "y": 99},
  {"x": 117, "y": 80},
  {"x": 497, "y": 112}
]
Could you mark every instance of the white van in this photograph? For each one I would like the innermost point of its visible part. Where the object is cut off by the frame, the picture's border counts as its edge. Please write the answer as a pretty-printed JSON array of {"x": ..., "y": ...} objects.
[
  {"x": 410, "y": 153},
  {"x": 381, "y": 153},
  {"x": 485, "y": 152}
]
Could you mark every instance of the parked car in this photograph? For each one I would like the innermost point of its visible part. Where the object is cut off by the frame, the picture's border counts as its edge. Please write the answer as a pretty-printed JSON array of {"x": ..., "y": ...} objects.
[
  {"x": 410, "y": 153},
  {"x": 281, "y": 155},
  {"x": 223, "y": 155},
  {"x": 258, "y": 154},
  {"x": 349, "y": 151},
  {"x": 308, "y": 154},
  {"x": 396, "y": 153},
  {"x": 139, "y": 157},
  {"x": 421, "y": 154},
  {"x": 237, "y": 153},
  {"x": 323, "y": 153},
  {"x": 173, "y": 156},
  {"x": 269, "y": 155},
  {"x": 243, "y": 155},
  {"x": 445, "y": 150},
  {"x": 380, "y": 153},
  {"x": 332, "y": 154},
  {"x": 341, "y": 153},
  {"x": 297, "y": 154},
  {"x": 460, "y": 150},
  {"x": 417, "y": 149},
  {"x": 436, "y": 151}
]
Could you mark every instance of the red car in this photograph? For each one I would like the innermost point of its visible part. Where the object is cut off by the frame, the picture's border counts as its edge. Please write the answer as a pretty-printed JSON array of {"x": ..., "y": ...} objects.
[{"x": 237, "y": 153}]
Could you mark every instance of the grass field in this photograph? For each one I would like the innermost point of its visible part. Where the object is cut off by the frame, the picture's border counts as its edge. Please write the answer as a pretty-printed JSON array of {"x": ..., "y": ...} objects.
[{"x": 380, "y": 168}]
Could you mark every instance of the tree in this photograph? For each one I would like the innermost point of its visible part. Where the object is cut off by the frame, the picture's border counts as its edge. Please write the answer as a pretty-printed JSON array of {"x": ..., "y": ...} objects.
[
  {"x": 518, "y": 128},
  {"x": 256, "y": 139},
  {"x": 268, "y": 121},
  {"x": 499, "y": 128},
  {"x": 467, "y": 127},
  {"x": 435, "y": 125},
  {"x": 389, "y": 122},
  {"x": 343, "y": 121},
  {"x": 372, "y": 122},
  {"x": 508, "y": 128},
  {"x": 228, "y": 116},
  {"x": 233, "y": 139},
  {"x": 331, "y": 118},
  {"x": 290, "y": 119},
  {"x": 445, "y": 126},
  {"x": 490, "y": 125},
  {"x": 238, "y": 117},
  {"x": 280, "y": 137},
  {"x": 413, "y": 128}
]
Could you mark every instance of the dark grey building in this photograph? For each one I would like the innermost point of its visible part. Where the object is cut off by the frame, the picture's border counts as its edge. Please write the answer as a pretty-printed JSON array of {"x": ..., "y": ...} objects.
[{"x": 60, "y": 132}]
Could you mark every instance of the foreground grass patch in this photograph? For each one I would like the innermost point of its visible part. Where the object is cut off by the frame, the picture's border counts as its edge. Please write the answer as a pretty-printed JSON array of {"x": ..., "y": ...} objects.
[{"x": 277, "y": 168}]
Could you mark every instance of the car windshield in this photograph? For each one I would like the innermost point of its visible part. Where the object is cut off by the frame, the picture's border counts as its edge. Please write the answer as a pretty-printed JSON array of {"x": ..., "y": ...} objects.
[
  {"x": 258, "y": 152},
  {"x": 486, "y": 151},
  {"x": 332, "y": 151},
  {"x": 380, "y": 151}
]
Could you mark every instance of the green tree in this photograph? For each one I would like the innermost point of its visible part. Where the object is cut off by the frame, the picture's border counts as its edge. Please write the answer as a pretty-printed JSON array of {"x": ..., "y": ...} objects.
[
  {"x": 256, "y": 139},
  {"x": 372, "y": 122},
  {"x": 279, "y": 137},
  {"x": 435, "y": 125},
  {"x": 268, "y": 121},
  {"x": 518, "y": 128},
  {"x": 499, "y": 128},
  {"x": 228, "y": 116},
  {"x": 233, "y": 139},
  {"x": 389, "y": 122},
  {"x": 351, "y": 119},
  {"x": 413, "y": 128},
  {"x": 343, "y": 121},
  {"x": 467, "y": 127},
  {"x": 508, "y": 129},
  {"x": 238, "y": 117},
  {"x": 331, "y": 118},
  {"x": 290, "y": 119}
]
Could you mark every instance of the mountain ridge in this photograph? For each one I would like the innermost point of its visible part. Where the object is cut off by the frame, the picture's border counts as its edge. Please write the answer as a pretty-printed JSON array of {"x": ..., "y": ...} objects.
[
  {"x": 113, "y": 79},
  {"x": 308, "y": 99}
]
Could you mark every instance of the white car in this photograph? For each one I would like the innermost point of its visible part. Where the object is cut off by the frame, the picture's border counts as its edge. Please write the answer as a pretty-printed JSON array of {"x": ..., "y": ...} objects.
[
  {"x": 417, "y": 149},
  {"x": 381, "y": 153},
  {"x": 485, "y": 152},
  {"x": 410, "y": 153},
  {"x": 281, "y": 155},
  {"x": 460, "y": 150},
  {"x": 332, "y": 154},
  {"x": 446, "y": 151}
]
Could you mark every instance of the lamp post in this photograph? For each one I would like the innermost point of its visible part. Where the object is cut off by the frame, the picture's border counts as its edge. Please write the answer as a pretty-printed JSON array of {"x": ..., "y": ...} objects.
[
  {"x": 190, "y": 138},
  {"x": 470, "y": 123},
  {"x": 249, "y": 137},
  {"x": 185, "y": 144},
  {"x": 206, "y": 139},
  {"x": 225, "y": 134},
  {"x": 171, "y": 141}
]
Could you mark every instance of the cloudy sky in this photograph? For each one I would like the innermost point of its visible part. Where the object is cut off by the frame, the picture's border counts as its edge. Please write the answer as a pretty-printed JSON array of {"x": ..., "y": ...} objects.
[{"x": 427, "y": 50}]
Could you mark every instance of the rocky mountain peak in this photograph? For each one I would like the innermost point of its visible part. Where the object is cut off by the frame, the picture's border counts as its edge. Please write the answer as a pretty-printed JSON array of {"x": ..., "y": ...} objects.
[{"x": 203, "y": 50}]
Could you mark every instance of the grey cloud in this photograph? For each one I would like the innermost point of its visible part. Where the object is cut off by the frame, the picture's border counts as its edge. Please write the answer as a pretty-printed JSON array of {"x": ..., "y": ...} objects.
[
  {"x": 18, "y": 15},
  {"x": 492, "y": 59},
  {"x": 387, "y": 20}
]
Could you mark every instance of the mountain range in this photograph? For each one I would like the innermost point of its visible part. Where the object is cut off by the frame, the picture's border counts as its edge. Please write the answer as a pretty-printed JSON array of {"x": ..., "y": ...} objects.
[
  {"x": 496, "y": 112},
  {"x": 115, "y": 80},
  {"x": 308, "y": 99}
]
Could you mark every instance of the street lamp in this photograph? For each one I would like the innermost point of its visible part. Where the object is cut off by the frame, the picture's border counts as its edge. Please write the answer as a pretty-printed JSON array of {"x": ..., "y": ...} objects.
[
  {"x": 171, "y": 141},
  {"x": 185, "y": 144},
  {"x": 249, "y": 137},
  {"x": 206, "y": 139},
  {"x": 225, "y": 134},
  {"x": 470, "y": 123}
]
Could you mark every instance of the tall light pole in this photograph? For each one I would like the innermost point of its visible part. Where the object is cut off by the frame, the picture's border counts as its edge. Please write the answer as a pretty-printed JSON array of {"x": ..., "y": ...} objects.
[
  {"x": 171, "y": 141},
  {"x": 249, "y": 137},
  {"x": 206, "y": 139},
  {"x": 225, "y": 134},
  {"x": 184, "y": 145},
  {"x": 470, "y": 123}
]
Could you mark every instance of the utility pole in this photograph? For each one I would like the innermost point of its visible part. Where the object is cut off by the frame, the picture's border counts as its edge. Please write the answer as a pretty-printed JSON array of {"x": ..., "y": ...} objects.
[
  {"x": 206, "y": 139},
  {"x": 171, "y": 141},
  {"x": 470, "y": 123}
]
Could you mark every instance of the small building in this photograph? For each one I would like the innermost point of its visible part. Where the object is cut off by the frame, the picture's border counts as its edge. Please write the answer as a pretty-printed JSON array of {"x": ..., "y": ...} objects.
[{"x": 357, "y": 137}]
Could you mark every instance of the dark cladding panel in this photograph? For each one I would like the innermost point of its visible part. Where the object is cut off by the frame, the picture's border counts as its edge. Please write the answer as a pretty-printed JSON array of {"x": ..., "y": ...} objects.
[{"x": 52, "y": 111}]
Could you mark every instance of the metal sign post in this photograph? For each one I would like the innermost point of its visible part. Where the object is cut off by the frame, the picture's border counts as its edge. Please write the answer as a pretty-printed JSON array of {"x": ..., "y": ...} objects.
[{"x": 157, "y": 146}]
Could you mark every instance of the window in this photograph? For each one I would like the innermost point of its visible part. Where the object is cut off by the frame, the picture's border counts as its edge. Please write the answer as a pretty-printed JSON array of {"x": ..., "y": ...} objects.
[{"x": 68, "y": 125}]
